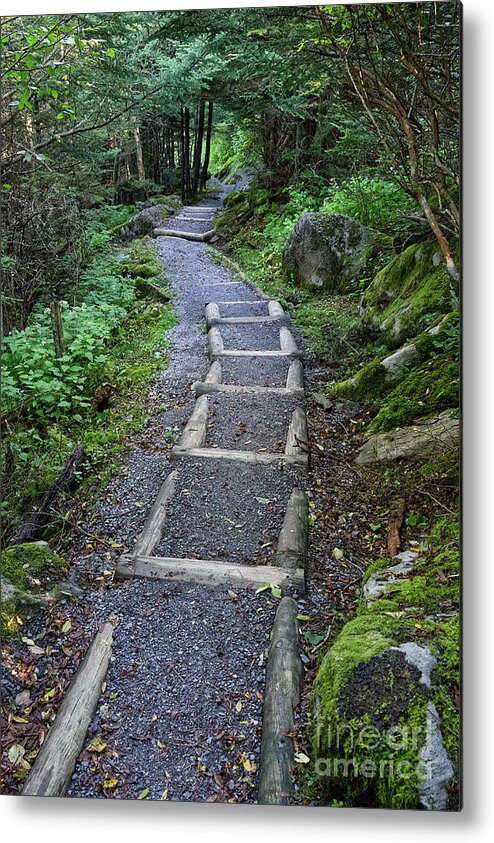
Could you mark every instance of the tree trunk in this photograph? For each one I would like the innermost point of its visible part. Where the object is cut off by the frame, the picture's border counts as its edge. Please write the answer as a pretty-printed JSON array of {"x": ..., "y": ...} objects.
[
  {"x": 198, "y": 148},
  {"x": 57, "y": 325},
  {"x": 186, "y": 164},
  {"x": 204, "y": 174},
  {"x": 141, "y": 174}
]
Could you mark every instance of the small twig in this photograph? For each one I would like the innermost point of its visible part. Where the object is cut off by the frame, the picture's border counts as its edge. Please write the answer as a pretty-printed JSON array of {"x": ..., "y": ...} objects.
[{"x": 442, "y": 505}]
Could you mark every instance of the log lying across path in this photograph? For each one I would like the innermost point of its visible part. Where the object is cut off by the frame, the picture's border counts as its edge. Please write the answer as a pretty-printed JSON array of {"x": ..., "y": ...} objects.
[
  {"x": 282, "y": 695},
  {"x": 37, "y": 520},
  {"x": 54, "y": 765},
  {"x": 185, "y": 235},
  {"x": 209, "y": 572}
]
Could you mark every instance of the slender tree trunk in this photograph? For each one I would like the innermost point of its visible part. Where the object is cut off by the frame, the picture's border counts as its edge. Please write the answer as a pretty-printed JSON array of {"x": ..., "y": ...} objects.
[
  {"x": 57, "y": 324},
  {"x": 204, "y": 174},
  {"x": 141, "y": 173},
  {"x": 198, "y": 148},
  {"x": 187, "y": 152}
]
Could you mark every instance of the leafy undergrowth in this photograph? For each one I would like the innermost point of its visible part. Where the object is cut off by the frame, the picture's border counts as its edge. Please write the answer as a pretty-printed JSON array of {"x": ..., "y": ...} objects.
[{"x": 115, "y": 341}]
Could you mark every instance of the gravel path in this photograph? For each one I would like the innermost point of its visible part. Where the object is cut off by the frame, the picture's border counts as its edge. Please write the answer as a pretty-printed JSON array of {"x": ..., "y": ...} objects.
[
  {"x": 244, "y": 309},
  {"x": 239, "y": 521},
  {"x": 255, "y": 371},
  {"x": 249, "y": 422},
  {"x": 257, "y": 337},
  {"x": 180, "y": 716}
]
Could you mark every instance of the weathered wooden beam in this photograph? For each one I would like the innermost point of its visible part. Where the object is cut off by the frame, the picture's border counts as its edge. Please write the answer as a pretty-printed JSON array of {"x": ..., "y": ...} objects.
[
  {"x": 291, "y": 551},
  {"x": 241, "y": 456},
  {"x": 185, "y": 235},
  {"x": 297, "y": 440},
  {"x": 215, "y": 341},
  {"x": 194, "y": 432},
  {"x": 295, "y": 376},
  {"x": 151, "y": 533},
  {"x": 209, "y": 572},
  {"x": 281, "y": 697},
  {"x": 287, "y": 342},
  {"x": 247, "y": 320},
  {"x": 52, "y": 770},
  {"x": 242, "y": 353},
  {"x": 206, "y": 388},
  {"x": 275, "y": 309}
]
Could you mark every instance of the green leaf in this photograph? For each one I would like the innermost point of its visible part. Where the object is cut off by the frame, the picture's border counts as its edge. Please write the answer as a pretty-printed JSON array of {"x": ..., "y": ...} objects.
[
  {"x": 313, "y": 638},
  {"x": 143, "y": 793}
]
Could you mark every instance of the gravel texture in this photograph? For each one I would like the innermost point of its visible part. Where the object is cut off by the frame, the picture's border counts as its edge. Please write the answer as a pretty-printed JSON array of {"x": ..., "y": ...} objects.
[
  {"x": 181, "y": 711},
  {"x": 255, "y": 371},
  {"x": 180, "y": 717},
  {"x": 219, "y": 512},
  {"x": 249, "y": 422},
  {"x": 257, "y": 337},
  {"x": 244, "y": 309}
]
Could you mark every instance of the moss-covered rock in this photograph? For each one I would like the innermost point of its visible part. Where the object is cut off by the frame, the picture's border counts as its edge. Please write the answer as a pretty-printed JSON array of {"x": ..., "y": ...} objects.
[
  {"x": 328, "y": 251},
  {"x": 27, "y": 572},
  {"x": 385, "y": 722},
  {"x": 408, "y": 294},
  {"x": 419, "y": 380}
]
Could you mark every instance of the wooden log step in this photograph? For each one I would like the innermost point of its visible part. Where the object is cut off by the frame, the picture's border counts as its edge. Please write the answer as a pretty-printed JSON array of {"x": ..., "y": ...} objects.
[
  {"x": 151, "y": 533},
  {"x": 295, "y": 376},
  {"x": 209, "y": 572},
  {"x": 52, "y": 770},
  {"x": 247, "y": 320},
  {"x": 297, "y": 440},
  {"x": 257, "y": 353},
  {"x": 194, "y": 432},
  {"x": 242, "y": 456},
  {"x": 281, "y": 697},
  {"x": 287, "y": 341},
  {"x": 207, "y": 388},
  {"x": 291, "y": 551},
  {"x": 185, "y": 235}
]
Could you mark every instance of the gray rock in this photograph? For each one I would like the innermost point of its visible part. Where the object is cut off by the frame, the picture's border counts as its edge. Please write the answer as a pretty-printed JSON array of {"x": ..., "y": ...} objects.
[
  {"x": 420, "y": 657},
  {"x": 436, "y": 764},
  {"x": 379, "y": 582},
  {"x": 8, "y": 590},
  {"x": 65, "y": 588},
  {"x": 426, "y": 438},
  {"x": 405, "y": 356},
  {"x": 327, "y": 251}
]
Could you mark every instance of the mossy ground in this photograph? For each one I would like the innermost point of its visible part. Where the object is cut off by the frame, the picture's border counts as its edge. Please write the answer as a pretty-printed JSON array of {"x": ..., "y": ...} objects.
[
  {"x": 408, "y": 294},
  {"x": 31, "y": 568},
  {"x": 421, "y": 608}
]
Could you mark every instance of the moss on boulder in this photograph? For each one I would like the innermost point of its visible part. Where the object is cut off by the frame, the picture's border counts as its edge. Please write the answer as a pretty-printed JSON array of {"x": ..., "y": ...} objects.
[
  {"x": 408, "y": 294},
  {"x": 27, "y": 571},
  {"x": 385, "y": 724},
  {"x": 328, "y": 251}
]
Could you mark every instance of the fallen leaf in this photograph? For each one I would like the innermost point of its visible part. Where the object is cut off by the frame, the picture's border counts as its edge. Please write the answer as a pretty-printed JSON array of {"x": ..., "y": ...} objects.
[
  {"x": 337, "y": 553},
  {"x": 108, "y": 784},
  {"x": 96, "y": 745},
  {"x": 301, "y": 758},
  {"x": 66, "y": 627},
  {"x": 143, "y": 793}
]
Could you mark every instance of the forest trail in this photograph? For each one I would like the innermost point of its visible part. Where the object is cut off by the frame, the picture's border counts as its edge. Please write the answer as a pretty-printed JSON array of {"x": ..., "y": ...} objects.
[{"x": 181, "y": 713}]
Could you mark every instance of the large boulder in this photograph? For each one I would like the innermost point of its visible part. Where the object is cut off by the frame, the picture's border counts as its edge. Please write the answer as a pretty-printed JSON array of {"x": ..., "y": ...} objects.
[
  {"x": 328, "y": 251},
  {"x": 408, "y": 295},
  {"x": 425, "y": 439}
]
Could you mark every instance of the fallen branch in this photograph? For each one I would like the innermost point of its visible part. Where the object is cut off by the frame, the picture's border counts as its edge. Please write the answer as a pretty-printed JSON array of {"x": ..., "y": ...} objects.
[{"x": 37, "y": 520}]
